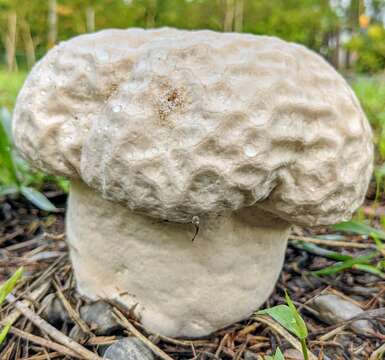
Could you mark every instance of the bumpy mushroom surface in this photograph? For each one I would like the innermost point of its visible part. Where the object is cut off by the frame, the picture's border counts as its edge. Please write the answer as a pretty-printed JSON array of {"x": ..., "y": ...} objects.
[{"x": 166, "y": 131}]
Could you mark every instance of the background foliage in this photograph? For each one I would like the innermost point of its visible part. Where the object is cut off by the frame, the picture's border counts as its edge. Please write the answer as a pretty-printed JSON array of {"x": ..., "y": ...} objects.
[
  {"x": 335, "y": 28},
  {"x": 348, "y": 33}
]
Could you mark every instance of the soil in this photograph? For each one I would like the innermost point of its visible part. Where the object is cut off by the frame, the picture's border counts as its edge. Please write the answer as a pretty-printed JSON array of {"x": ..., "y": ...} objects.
[{"x": 36, "y": 240}]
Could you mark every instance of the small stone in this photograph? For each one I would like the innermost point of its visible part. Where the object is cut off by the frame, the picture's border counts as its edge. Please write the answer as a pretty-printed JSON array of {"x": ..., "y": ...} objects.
[
  {"x": 333, "y": 309},
  {"x": 54, "y": 311},
  {"x": 77, "y": 334},
  {"x": 99, "y": 317},
  {"x": 128, "y": 349}
]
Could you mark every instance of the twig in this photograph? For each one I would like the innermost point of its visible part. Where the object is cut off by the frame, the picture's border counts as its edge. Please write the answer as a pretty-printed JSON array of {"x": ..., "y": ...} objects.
[
  {"x": 6, "y": 353},
  {"x": 35, "y": 295},
  {"x": 184, "y": 342},
  {"x": 240, "y": 351},
  {"x": 332, "y": 243},
  {"x": 53, "y": 332},
  {"x": 281, "y": 331},
  {"x": 332, "y": 333},
  {"x": 102, "y": 340},
  {"x": 221, "y": 344},
  {"x": 376, "y": 355},
  {"x": 8, "y": 237},
  {"x": 44, "y": 356},
  {"x": 125, "y": 323},
  {"x": 48, "y": 272},
  {"x": 44, "y": 342},
  {"x": 71, "y": 312}
]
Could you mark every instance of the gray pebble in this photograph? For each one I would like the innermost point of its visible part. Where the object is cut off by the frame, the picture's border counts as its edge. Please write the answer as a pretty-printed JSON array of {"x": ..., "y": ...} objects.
[
  {"x": 77, "y": 334},
  {"x": 99, "y": 317},
  {"x": 129, "y": 348},
  {"x": 53, "y": 310},
  {"x": 333, "y": 309}
]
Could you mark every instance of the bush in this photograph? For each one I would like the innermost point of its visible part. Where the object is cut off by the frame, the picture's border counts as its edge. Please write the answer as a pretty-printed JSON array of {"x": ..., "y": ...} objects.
[{"x": 370, "y": 48}]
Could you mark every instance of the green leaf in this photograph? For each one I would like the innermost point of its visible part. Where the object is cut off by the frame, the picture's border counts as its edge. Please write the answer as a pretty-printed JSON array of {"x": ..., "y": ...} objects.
[
  {"x": 359, "y": 228},
  {"x": 8, "y": 190},
  {"x": 6, "y": 157},
  {"x": 9, "y": 285},
  {"x": 301, "y": 326},
  {"x": 348, "y": 264},
  {"x": 283, "y": 315},
  {"x": 4, "y": 332},
  {"x": 6, "y": 120},
  {"x": 370, "y": 269},
  {"x": 277, "y": 356},
  {"x": 37, "y": 198},
  {"x": 379, "y": 244},
  {"x": 320, "y": 251}
]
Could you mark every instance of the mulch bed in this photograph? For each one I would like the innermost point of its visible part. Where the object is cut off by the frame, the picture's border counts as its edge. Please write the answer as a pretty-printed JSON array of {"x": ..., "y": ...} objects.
[{"x": 35, "y": 240}]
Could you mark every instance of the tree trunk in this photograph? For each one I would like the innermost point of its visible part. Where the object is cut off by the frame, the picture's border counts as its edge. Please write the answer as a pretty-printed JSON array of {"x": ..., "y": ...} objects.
[
  {"x": 52, "y": 23},
  {"x": 151, "y": 13},
  {"x": 10, "y": 42},
  {"x": 90, "y": 19},
  {"x": 238, "y": 20},
  {"x": 28, "y": 44},
  {"x": 229, "y": 16},
  {"x": 336, "y": 60}
]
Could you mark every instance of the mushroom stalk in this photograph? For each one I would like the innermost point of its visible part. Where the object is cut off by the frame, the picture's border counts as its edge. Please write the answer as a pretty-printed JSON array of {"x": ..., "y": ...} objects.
[{"x": 178, "y": 287}]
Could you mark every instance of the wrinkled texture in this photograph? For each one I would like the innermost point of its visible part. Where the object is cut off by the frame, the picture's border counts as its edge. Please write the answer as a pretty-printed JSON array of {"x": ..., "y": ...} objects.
[{"x": 176, "y": 124}]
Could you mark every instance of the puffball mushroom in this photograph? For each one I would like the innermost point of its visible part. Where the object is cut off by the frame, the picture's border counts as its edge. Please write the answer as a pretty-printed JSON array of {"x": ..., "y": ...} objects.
[{"x": 167, "y": 134}]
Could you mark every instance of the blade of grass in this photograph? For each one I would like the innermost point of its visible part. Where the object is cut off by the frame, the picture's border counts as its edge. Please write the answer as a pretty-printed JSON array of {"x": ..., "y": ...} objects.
[
  {"x": 370, "y": 269},
  {"x": 37, "y": 198},
  {"x": 6, "y": 120},
  {"x": 9, "y": 285},
  {"x": 301, "y": 326},
  {"x": 8, "y": 190},
  {"x": 317, "y": 250},
  {"x": 302, "y": 332},
  {"x": 6, "y": 158},
  {"x": 359, "y": 228},
  {"x": 347, "y": 264},
  {"x": 4, "y": 332}
]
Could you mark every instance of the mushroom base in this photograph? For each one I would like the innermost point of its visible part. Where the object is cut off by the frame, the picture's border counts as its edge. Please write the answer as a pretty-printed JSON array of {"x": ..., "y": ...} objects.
[{"x": 176, "y": 286}]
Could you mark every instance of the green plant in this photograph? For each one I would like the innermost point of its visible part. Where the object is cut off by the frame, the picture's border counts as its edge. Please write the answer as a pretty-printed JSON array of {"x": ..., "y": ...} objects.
[
  {"x": 10, "y": 84},
  {"x": 363, "y": 262},
  {"x": 277, "y": 356},
  {"x": 370, "y": 48},
  {"x": 5, "y": 289},
  {"x": 15, "y": 175},
  {"x": 289, "y": 317},
  {"x": 371, "y": 93}
]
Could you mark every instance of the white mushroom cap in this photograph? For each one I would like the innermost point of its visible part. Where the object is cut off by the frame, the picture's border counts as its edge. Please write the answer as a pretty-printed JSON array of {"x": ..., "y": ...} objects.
[{"x": 176, "y": 124}]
